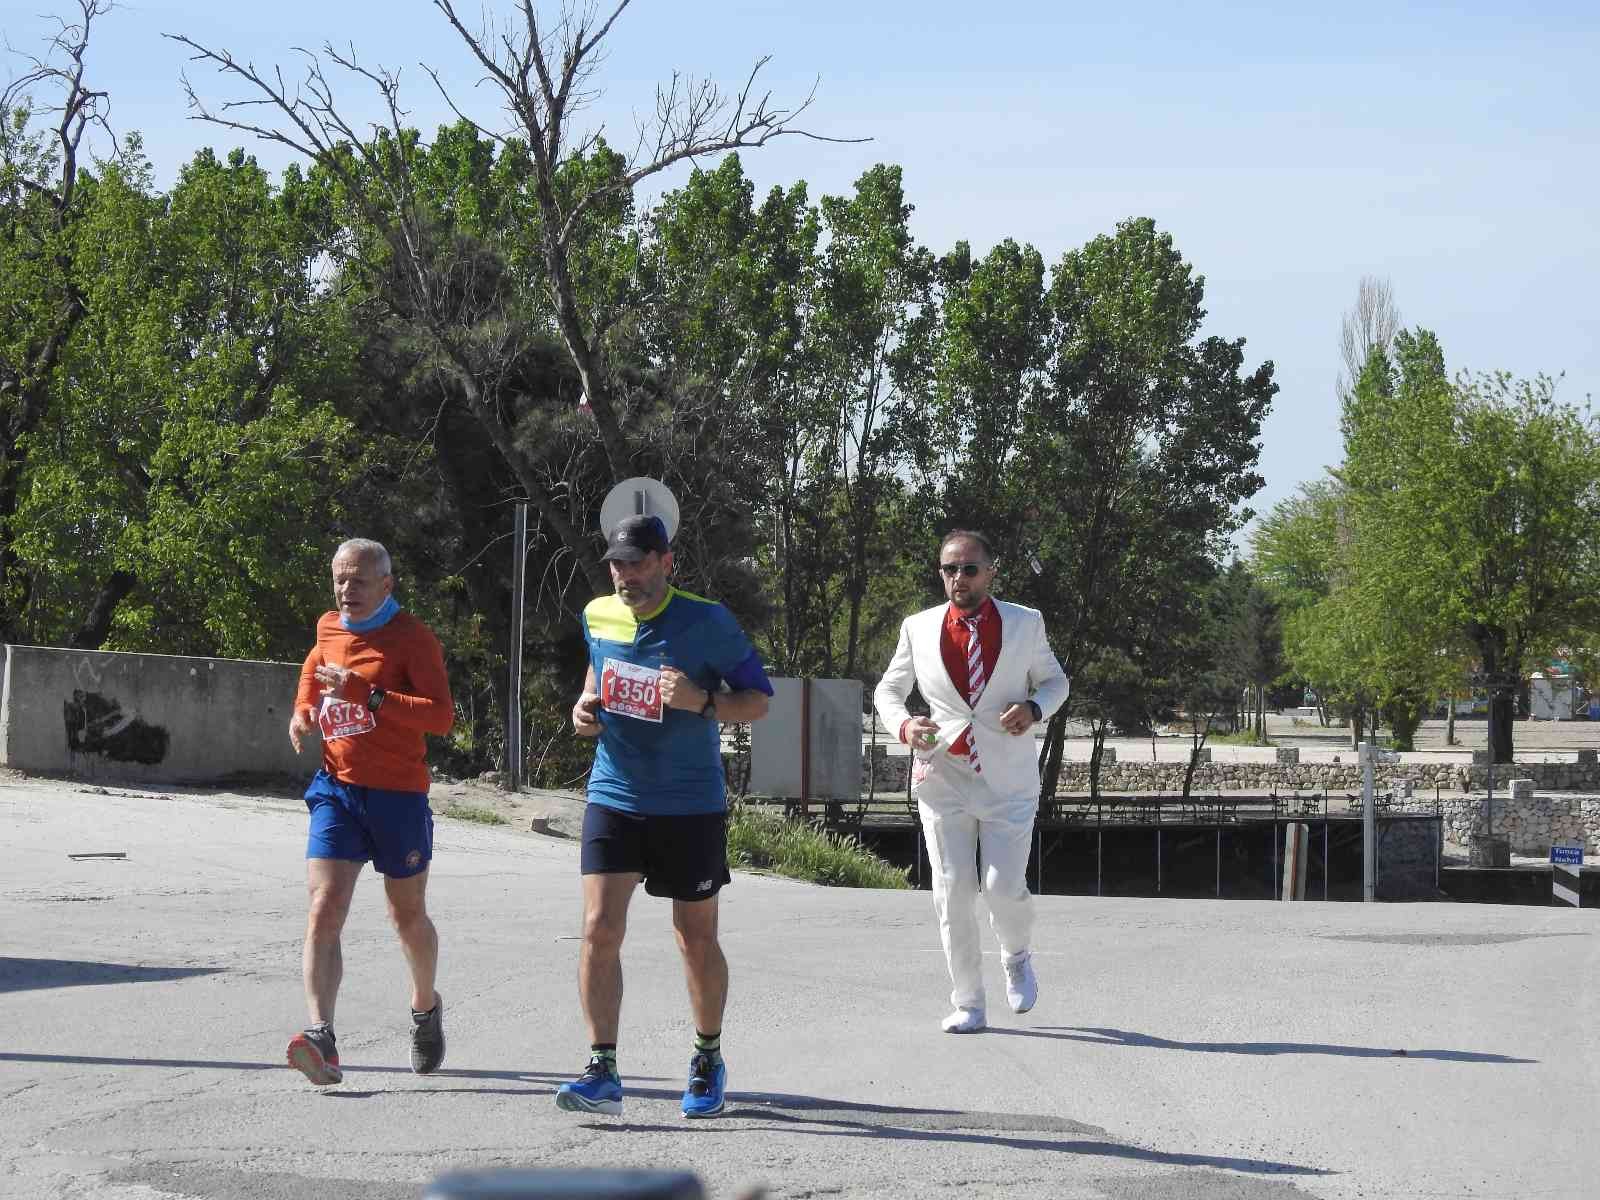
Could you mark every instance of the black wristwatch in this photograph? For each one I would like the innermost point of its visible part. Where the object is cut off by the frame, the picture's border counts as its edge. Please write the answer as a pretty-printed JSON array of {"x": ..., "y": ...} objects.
[
  {"x": 708, "y": 710},
  {"x": 1038, "y": 713},
  {"x": 375, "y": 698}
]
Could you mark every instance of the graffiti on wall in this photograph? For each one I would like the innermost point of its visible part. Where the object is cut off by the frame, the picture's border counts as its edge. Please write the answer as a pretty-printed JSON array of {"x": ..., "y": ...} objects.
[{"x": 96, "y": 724}]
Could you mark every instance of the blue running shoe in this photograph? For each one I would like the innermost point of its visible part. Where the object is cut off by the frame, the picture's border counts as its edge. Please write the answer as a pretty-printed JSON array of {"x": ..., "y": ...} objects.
[
  {"x": 707, "y": 1082},
  {"x": 597, "y": 1090}
]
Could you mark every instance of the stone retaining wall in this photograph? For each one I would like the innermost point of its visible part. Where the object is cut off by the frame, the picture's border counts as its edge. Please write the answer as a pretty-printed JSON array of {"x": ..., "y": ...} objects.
[
  {"x": 1532, "y": 824},
  {"x": 889, "y": 775}
]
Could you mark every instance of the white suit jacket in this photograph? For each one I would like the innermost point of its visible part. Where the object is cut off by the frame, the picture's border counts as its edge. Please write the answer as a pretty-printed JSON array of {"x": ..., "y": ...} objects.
[{"x": 1026, "y": 670}]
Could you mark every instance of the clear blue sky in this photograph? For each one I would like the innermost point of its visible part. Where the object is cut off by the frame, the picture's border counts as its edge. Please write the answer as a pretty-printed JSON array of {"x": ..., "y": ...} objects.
[{"x": 1451, "y": 148}]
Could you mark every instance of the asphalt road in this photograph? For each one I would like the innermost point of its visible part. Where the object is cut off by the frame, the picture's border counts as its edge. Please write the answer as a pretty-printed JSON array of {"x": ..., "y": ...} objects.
[{"x": 1239, "y": 1050}]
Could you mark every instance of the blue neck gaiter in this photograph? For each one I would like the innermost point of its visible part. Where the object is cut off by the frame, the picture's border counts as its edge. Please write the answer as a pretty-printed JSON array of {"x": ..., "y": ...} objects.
[{"x": 377, "y": 620}]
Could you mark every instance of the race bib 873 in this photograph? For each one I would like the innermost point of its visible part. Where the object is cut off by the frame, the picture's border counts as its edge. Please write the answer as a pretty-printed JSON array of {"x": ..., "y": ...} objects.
[
  {"x": 629, "y": 690},
  {"x": 344, "y": 718}
]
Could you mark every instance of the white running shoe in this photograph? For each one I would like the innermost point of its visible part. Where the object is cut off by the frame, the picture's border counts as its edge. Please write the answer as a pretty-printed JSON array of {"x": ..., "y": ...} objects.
[
  {"x": 1022, "y": 985},
  {"x": 964, "y": 1020}
]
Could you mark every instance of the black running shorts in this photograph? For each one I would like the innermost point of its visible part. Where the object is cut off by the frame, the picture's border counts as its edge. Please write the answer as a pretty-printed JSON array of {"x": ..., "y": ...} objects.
[{"x": 683, "y": 857}]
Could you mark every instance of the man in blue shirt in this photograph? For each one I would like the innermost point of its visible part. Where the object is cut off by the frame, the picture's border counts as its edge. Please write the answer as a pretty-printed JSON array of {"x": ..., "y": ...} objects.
[{"x": 665, "y": 669}]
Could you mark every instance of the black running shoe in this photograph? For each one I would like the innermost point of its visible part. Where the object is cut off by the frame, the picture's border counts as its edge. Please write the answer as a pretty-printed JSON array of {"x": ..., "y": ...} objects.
[
  {"x": 427, "y": 1038},
  {"x": 315, "y": 1056}
]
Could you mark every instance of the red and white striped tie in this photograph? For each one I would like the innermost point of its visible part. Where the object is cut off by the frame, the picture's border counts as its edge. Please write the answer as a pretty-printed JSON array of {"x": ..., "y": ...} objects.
[{"x": 975, "y": 682}]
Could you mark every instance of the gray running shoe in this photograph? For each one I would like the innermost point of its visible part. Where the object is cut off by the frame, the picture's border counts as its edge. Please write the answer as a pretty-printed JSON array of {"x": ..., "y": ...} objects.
[
  {"x": 315, "y": 1056},
  {"x": 427, "y": 1038}
]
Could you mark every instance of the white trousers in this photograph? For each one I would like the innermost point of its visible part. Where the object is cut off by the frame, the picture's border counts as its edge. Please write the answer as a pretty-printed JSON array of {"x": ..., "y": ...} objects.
[{"x": 964, "y": 819}]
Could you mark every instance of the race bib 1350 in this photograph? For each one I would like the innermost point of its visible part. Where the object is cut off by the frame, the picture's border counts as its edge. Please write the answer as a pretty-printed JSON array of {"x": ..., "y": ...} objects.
[{"x": 629, "y": 690}]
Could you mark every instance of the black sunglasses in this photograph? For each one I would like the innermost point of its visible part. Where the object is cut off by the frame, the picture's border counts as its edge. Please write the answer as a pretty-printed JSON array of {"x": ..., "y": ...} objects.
[{"x": 969, "y": 569}]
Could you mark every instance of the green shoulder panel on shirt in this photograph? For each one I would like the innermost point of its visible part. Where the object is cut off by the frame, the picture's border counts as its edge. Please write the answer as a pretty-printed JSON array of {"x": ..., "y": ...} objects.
[
  {"x": 610, "y": 620},
  {"x": 692, "y": 596}
]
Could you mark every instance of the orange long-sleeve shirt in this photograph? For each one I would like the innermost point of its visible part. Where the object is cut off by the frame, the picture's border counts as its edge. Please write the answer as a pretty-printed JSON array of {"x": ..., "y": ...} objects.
[{"x": 383, "y": 749}]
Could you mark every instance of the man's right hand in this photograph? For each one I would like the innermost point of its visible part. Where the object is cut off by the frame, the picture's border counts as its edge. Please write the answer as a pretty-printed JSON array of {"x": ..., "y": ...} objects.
[
  {"x": 299, "y": 725},
  {"x": 920, "y": 733},
  {"x": 586, "y": 715}
]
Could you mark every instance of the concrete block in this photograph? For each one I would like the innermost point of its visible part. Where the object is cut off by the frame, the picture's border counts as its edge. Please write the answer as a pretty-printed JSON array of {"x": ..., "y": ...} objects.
[
  {"x": 155, "y": 718},
  {"x": 1202, "y": 756},
  {"x": 1288, "y": 755},
  {"x": 1522, "y": 789},
  {"x": 1483, "y": 851},
  {"x": 834, "y": 770},
  {"x": 1586, "y": 758}
]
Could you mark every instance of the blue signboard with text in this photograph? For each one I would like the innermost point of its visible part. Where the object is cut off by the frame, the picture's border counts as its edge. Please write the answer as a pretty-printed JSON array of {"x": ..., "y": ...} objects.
[{"x": 1570, "y": 856}]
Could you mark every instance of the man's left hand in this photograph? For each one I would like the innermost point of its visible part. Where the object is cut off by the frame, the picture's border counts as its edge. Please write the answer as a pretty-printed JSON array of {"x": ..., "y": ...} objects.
[
  {"x": 679, "y": 691},
  {"x": 1018, "y": 719}
]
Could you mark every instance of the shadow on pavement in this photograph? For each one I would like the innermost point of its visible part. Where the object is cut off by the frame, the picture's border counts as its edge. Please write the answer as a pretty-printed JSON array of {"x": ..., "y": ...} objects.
[
  {"x": 201, "y": 1064},
  {"x": 834, "y": 1117},
  {"x": 28, "y": 974},
  {"x": 847, "y": 1119},
  {"x": 1122, "y": 1037}
]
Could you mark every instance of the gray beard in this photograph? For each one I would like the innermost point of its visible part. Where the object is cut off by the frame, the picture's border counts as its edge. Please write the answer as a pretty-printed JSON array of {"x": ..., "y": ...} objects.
[{"x": 639, "y": 601}]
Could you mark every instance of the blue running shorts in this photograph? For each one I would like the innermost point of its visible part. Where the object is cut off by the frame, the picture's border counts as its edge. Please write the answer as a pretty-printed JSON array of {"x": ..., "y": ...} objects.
[{"x": 392, "y": 830}]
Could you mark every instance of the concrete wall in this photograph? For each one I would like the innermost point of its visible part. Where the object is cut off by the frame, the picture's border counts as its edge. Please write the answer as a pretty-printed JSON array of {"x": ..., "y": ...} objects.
[{"x": 148, "y": 717}]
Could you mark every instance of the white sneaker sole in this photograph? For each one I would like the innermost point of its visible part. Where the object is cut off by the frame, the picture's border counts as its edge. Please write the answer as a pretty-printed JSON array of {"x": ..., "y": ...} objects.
[{"x": 572, "y": 1102}]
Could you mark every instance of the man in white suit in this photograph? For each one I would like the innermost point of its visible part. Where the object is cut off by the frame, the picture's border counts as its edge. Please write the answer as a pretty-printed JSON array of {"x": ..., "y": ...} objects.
[{"x": 987, "y": 672}]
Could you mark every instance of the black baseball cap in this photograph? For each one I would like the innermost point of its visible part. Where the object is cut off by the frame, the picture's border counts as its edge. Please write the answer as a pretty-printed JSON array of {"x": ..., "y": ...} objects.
[{"x": 634, "y": 537}]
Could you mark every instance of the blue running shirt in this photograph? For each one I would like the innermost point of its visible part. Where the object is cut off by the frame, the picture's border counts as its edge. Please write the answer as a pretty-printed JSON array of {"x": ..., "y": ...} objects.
[{"x": 655, "y": 760}]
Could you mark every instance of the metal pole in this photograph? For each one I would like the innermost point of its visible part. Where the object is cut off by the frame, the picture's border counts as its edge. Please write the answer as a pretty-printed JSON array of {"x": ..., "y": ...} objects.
[
  {"x": 805, "y": 746},
  {"x": 1369, "y": 823},
  {"x": 1219, "y": 862},
  {"x": 519, "y": 561},
  {"x": 1324, "y": 845},
  {"x": 1276, "y": 876},
  {"x": 1158, "y": 856}
]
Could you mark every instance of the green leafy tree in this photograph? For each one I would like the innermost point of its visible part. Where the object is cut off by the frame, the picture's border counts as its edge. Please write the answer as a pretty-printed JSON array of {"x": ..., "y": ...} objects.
[
  {"x": 46, "y": 113},
  {"x": 188, "y": 479}
]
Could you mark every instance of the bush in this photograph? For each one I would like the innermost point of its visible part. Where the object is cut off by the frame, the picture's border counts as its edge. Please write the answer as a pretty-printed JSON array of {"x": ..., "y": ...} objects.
[
  {"x": 471, "y": 812},
  {"x": 770, "y": 841}
]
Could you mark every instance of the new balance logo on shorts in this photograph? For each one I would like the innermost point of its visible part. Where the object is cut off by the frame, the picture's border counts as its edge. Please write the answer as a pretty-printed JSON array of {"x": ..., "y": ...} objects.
[{"x": 705, "y": 885}]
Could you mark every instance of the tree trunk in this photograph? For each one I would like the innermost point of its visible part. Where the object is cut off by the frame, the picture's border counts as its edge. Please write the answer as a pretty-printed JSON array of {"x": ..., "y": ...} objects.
[
  {"x": 1502, "y": 712},
  {"x": 1098, "y": 732},
  {"x": 96, "y": 626},
  {"x": 1500, "y": 671},
  {"x": 1055, "y": 737}
]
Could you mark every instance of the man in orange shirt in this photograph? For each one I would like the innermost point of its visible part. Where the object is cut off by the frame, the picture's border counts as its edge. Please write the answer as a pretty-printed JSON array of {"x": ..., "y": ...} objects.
[{"x": 373, "y": 684}]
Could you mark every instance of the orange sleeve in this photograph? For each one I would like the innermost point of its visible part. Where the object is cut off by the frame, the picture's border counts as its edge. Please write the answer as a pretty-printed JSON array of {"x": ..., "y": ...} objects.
[
  {"x": 309, "y": 692},
  {"x": 426, "y": 705}
]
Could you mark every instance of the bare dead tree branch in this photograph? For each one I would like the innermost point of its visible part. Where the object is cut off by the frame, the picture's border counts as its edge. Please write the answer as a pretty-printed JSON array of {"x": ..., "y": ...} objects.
[
  {"x": 543, "y": 72},
  {"x": 1371, "y": 324}
]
